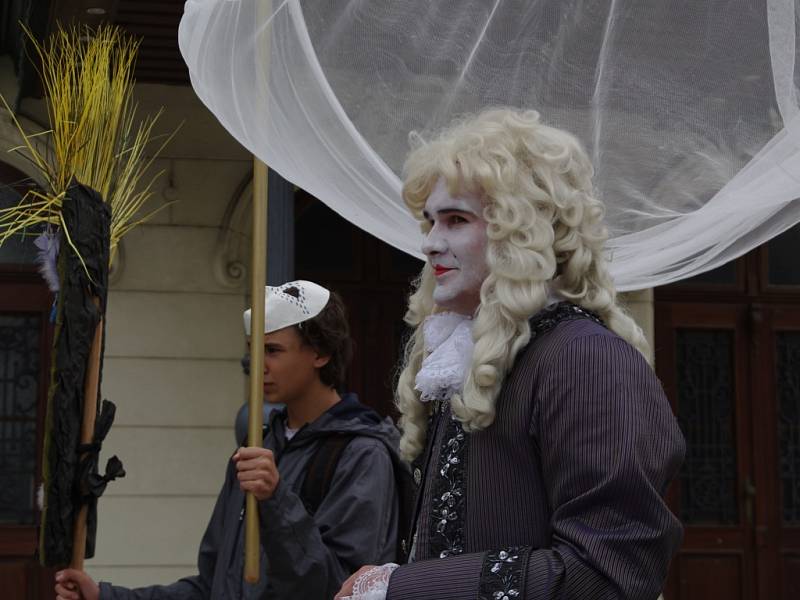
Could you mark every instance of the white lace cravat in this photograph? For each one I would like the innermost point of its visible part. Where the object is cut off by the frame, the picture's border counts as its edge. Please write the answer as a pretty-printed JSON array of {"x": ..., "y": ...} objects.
[{"x": 448, "y": 342}]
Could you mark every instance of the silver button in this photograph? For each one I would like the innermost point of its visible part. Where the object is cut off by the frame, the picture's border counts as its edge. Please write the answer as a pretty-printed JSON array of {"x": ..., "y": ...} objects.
[{"x": 417, "y": 476}]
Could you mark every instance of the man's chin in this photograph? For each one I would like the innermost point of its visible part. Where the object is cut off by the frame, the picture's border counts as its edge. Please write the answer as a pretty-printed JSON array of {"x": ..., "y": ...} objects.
[{"x": 444, "y": 297}]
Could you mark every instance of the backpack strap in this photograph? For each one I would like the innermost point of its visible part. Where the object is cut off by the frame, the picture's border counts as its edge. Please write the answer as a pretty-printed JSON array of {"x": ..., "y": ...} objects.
[{"x": 321, "y": 469}]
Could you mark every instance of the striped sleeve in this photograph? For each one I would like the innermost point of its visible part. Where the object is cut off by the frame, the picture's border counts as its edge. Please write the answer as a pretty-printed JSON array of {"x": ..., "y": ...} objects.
[{"x": 609, "y": 447}]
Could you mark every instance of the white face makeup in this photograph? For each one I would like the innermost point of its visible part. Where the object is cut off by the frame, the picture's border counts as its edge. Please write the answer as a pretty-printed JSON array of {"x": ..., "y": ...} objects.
[{"x": 456, "y": 248}]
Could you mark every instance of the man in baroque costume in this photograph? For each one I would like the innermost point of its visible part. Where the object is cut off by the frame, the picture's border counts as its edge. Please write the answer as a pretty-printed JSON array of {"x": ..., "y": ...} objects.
[{"x": 540, "y": 436}]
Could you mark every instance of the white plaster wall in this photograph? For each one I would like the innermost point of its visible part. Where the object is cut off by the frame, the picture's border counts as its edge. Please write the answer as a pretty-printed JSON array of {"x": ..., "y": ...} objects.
[
  {"x": 174, "y": 340},
  {"x": 640, "y": 306}
]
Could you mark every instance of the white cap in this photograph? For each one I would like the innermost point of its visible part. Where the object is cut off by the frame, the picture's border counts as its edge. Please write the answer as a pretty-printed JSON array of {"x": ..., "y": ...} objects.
[{"x": 283, "y": 310}]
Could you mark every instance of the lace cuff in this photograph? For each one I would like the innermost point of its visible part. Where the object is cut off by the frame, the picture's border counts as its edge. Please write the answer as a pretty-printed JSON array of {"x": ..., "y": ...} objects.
[{"x": 373, "y": 584}]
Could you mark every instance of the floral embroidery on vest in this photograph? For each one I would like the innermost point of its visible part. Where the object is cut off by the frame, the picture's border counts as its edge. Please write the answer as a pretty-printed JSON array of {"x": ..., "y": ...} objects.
[
  {"x": 447, "y": 515},
  {"x": 502, "y": 575}
]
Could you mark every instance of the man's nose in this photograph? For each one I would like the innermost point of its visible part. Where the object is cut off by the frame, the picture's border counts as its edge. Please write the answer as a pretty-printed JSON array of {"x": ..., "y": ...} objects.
[{"x": 433, "y": 243}]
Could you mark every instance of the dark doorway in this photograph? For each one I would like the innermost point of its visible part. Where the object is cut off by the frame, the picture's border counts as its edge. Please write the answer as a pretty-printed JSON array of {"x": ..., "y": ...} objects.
[
  {"x": 25, "y": 337},
  {"x": 728, "y": 353},
  {"x": 374, "y": 280}
]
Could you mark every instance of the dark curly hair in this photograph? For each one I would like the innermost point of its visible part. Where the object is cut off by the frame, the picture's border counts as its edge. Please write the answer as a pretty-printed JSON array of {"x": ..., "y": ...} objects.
[{"x": 329, "y": 334}]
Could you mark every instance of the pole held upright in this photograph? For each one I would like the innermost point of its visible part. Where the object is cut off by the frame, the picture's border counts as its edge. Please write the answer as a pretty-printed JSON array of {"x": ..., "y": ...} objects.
[{"x": 256, "y": 403}]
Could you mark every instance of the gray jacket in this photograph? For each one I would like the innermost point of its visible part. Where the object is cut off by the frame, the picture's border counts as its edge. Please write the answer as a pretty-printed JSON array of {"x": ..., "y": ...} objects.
[{"x": 301, "y": 556}]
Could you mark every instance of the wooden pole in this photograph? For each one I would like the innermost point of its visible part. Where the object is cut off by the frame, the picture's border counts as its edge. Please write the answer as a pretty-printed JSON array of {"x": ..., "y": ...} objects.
[
  {"x": 258, "y": 281},
  {"x": 90, "y": 390}
]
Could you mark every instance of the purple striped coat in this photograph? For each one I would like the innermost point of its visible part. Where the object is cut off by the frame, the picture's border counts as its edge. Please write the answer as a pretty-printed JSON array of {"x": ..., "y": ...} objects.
[{"x": 562, "y": 497}]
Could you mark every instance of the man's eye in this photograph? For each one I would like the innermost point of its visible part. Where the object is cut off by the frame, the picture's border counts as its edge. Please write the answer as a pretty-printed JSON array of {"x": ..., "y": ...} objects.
[{"x": 457, "y": 220}]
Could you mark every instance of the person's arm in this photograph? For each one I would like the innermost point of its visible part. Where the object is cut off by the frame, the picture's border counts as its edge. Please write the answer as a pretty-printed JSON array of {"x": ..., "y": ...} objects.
[
  {"x": 195, "y": 587},
  {"x": 354, "y": 525},
  {"x": 609, "y": 447}
]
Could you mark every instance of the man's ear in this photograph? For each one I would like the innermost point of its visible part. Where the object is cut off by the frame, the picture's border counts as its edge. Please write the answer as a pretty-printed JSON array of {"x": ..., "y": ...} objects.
[{"x": 321, "y": 360}]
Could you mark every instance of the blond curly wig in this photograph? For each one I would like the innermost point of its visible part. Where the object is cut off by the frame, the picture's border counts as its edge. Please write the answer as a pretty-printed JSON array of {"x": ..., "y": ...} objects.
[{"x": 545, "y": 234}]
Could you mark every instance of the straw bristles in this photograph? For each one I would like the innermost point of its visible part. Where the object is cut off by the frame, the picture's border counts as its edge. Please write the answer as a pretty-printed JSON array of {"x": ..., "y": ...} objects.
[{"x": 94, "y": 133}]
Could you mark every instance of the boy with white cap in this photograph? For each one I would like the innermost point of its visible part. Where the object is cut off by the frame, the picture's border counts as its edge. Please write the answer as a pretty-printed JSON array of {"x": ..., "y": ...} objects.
[{"x": 324, "y": 479}]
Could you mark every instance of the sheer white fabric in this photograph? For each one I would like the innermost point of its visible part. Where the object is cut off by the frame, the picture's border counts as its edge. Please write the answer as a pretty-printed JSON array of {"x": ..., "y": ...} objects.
[{"x": 689, "y": 110}]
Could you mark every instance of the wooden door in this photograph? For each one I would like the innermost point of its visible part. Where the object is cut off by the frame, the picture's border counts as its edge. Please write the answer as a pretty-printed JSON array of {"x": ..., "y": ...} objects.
[
  {"x": 727, "y": 349},
  {"x": 732, "y": 372},
  {"x": 702, "y": 357},
  {"x": 25, "y": 340},
  {"x": 776, "y": 393},
  {"x": 25, "y": 337}
]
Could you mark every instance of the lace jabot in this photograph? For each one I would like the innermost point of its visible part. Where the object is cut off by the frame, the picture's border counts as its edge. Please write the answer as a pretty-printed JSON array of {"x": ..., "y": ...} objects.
[{"x": 449, "y": 344}]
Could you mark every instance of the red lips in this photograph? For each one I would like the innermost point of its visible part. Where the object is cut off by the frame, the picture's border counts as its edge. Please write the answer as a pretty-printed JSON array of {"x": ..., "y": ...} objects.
[{"x": 439, "y": 270}]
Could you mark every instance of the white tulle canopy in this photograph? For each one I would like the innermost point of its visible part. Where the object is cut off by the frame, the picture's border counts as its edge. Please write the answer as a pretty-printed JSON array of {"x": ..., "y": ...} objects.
[{"x": 689, "y": 110}]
